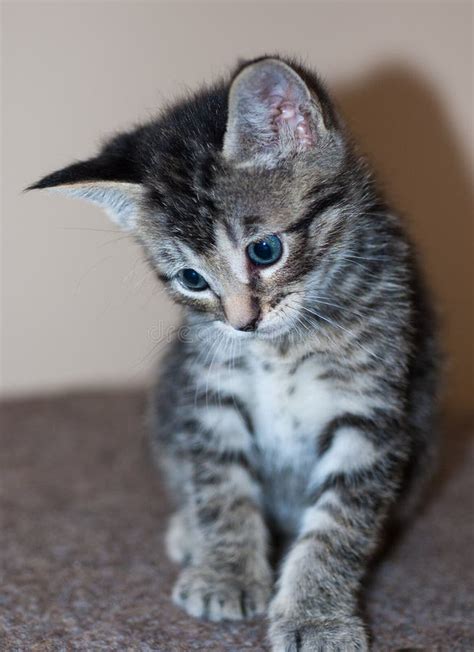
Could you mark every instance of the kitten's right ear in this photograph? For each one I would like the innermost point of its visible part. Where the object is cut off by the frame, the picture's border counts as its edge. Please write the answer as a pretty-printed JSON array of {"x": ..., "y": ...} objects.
[
  {"x": 273, "y": 115},
  {"x": 108, "y": 180}
]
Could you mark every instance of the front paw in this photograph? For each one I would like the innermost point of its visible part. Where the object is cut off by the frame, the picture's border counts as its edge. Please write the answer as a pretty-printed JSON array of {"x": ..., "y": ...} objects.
[
  {"x": 324, "y": 635},
  {"x": 204, "y": 593}
]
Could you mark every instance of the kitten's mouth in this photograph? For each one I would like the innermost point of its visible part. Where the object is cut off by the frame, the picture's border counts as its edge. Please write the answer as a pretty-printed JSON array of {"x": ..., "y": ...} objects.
[
  {"x": 236, "y": 333},
  {"x": 272, "y": 325},
  {"x": 262, "y": 331},
  {"x": 273, "y": 331},
  {"x": 258, "y": 332},
  {"x": 278, "y": 321}
]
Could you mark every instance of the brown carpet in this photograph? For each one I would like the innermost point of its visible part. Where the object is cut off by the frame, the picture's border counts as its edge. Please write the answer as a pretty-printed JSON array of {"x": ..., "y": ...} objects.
[{"x": 82, "y": 562}]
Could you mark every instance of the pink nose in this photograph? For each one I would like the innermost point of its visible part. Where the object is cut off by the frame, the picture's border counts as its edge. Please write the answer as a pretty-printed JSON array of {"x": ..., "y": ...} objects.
[
  {"x": 250, "y": 326},
  {"x": 242, "y": 312}
]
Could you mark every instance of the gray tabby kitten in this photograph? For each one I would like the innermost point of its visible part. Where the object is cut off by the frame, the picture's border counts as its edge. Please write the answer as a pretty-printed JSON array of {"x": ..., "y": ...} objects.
[{"x": 302, "y": 400}]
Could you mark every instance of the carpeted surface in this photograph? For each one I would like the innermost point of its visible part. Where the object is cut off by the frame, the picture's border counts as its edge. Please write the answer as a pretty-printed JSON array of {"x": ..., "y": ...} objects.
[{"x": 82, "y": 561}]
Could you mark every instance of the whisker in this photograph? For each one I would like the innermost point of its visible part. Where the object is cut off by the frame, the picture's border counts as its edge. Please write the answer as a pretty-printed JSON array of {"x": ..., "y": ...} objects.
[{"x": 346, "y": 330}]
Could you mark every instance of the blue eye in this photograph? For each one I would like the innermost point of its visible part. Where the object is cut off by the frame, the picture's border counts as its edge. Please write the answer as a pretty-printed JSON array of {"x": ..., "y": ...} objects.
[
  {"x": 192, "y": 280},
  {"x": 266, "y": 251}
]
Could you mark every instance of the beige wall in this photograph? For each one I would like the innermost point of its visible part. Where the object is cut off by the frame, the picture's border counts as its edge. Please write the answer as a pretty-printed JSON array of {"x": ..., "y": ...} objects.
[{"x": 78, "y": 305}]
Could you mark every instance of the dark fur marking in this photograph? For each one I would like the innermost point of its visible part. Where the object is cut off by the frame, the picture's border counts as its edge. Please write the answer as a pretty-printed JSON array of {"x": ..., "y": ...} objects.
[
  {"x": 209, "y": 514},
  {"x": 375, "y": 428},
  {"x": 206, "y": 601},
  {"x": 298, "y": 640},
  {"x": 294, "y": 368},
  {"x": 227, "y": 401},
  {"x": 243, "y": 606},
  {"x": 230, "y": 230},
  {"x": 318, "y": 205}
]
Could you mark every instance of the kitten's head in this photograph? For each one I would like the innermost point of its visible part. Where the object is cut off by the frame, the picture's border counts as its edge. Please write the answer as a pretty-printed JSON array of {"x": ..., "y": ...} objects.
[{"x": 236, "y": 195}]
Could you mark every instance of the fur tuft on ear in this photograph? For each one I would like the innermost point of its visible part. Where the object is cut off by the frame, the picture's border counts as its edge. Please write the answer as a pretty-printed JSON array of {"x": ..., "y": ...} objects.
[
  {"x": 109, "y": 180},
  {"x": 120, "y": 200},
  {"x": 272, "y": 115}
]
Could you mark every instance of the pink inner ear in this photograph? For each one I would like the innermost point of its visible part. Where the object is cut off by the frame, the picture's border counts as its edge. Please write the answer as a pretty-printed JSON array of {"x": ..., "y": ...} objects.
[{"x": 288, "y": 114}]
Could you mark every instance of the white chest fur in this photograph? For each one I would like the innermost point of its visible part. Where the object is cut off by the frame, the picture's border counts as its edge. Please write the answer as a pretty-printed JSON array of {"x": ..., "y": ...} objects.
[
  {"x": 289, "y": 404},
  {"x": 290, "y": 408}
]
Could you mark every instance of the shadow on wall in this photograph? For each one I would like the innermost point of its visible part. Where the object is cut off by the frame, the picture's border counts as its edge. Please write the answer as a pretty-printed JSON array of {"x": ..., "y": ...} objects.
[{"x": 400, "y": 122}]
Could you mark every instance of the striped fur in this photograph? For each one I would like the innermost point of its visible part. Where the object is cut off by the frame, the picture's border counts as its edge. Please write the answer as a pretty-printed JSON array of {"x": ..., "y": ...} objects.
[{"x": 320, "y": 423}]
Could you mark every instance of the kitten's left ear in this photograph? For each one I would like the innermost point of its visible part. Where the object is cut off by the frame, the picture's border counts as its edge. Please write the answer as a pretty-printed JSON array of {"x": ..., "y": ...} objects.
[
  {"x": 273, "y": 115},
  {"x": 108, "y": 180}
]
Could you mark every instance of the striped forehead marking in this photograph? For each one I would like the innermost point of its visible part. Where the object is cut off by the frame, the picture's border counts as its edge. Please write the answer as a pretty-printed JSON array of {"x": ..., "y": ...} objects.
[{"x": 230, "y": 246}]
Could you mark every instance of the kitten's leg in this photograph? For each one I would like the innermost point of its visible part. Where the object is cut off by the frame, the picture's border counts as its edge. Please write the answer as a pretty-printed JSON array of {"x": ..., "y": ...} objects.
[
  {"x": 179, "y": 538},
  {"x": 354, "y": 483},
  {"x": 229, "y": 576}
]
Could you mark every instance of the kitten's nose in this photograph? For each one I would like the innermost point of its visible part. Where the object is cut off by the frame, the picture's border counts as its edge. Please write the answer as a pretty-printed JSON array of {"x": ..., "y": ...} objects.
[
  {"x": 242, "y": 312},
  {"x": 251, "y": 326}
]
